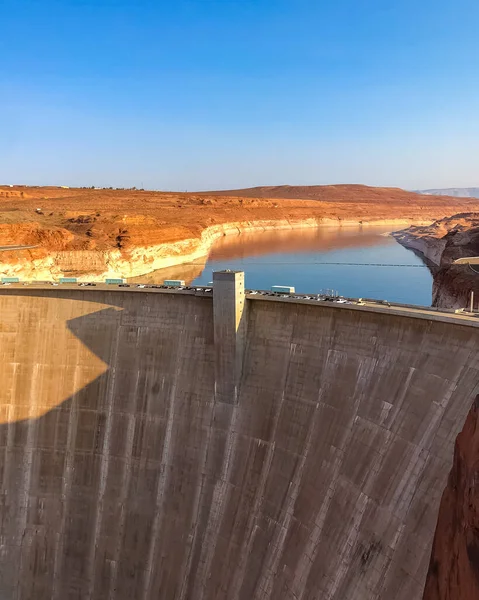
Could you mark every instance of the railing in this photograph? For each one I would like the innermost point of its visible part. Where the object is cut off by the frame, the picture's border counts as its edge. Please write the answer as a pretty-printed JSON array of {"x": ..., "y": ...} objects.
[{"x": 251, "y": 294}]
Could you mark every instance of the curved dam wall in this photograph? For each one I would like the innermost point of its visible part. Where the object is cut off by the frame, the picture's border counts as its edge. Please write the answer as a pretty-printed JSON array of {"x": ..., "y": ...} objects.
[{"x": 171, "y": 446}]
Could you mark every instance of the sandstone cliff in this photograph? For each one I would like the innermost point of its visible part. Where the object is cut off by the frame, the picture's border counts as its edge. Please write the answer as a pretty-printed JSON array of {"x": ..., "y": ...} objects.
[
  {"x": 440, "y": 244},
  {"x": 454, "y": 568}
]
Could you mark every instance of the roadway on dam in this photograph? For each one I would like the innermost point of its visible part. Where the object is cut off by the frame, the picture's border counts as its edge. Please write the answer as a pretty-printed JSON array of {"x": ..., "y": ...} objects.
[{"x": 157, "y": 444}]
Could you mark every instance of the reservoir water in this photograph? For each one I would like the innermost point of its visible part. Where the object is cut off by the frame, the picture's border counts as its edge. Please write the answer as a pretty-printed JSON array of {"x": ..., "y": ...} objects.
[{"x": 356, "y": 262}]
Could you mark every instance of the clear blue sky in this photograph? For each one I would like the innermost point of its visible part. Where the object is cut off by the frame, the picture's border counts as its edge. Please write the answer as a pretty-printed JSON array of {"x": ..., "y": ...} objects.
[{"x": 205, "y": 94}]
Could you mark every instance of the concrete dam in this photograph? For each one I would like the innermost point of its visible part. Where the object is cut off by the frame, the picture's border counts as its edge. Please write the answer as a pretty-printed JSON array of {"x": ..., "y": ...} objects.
[{"x": 184, "y": 446}]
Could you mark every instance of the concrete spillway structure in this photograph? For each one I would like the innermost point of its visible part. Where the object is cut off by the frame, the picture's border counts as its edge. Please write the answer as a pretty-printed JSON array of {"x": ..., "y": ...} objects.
[{"x": 167, "y": 445}]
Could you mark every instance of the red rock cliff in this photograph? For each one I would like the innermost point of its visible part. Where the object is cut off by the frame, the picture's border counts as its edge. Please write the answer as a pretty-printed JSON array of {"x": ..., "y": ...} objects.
[
  {"x": 454, "y": 567},
  {"x": 441, "y": 244}
]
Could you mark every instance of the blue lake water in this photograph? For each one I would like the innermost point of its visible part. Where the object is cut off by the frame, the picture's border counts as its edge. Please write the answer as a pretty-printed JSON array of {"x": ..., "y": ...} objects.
[{"x": 296, "y": 258}]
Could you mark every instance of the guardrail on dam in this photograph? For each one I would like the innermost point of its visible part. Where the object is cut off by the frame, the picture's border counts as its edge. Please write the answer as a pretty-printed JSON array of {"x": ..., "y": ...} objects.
[{"x": 172, "y": 445}]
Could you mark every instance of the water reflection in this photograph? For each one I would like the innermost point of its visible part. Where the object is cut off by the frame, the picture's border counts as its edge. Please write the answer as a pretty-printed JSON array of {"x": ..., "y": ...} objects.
[
  {"x": 297, "y": 258},
  {"x": 249, "y": 245},
  {"x": 297, "y": 241}
]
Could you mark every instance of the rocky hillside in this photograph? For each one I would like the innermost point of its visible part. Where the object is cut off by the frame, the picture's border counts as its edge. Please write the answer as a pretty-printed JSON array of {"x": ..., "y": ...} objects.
[{"x": 440, "y": 244}]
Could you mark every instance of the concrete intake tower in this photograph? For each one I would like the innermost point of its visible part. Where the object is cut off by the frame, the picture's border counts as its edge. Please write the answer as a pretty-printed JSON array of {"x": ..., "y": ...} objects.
[{"x": 179, "y": 445}]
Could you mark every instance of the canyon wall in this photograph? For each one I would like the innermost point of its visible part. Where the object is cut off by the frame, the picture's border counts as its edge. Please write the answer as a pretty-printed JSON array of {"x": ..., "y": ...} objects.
[
  {"x": 454, "y": 569},
  {"x": 440, "y": 244},
  {"x": 135, "y": 463}
]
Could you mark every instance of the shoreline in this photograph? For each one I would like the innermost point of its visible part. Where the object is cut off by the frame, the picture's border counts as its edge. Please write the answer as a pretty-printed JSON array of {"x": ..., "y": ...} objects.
[
  {"x": 144, "y": 260},
  {"x": 430, "y": 249}
]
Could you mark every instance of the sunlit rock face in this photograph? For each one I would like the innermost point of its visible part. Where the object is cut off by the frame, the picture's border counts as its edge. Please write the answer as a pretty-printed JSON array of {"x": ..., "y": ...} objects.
[
  {"x": 454, "y": 569},
  {"x": 440, "y": 244}
]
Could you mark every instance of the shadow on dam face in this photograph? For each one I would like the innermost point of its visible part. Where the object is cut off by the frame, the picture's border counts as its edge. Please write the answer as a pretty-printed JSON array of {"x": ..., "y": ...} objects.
[{"x": 127, "y": 475}]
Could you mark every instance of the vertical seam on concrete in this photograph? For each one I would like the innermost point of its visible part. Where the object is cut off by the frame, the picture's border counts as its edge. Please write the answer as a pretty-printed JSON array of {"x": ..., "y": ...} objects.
[
  {"x": 364, "y": 496},
  {"x": 27, "y": 473},
  {"x": 66, "y": 487},
  {"x": 219, "y": 498},
  {"x": 259, "y": 495},
  {"x": 186, "y": 568},
  {"x": 104, "y": 463},
  {"x": 416, "y": 472},
  {"x": 10, "y": 429},
  {"x": 369, "y": 481},
  {"x": 313, "y": 541},
  {"x": 251, "y": 527},
  {"x": 264, "y": 587},
  {"x": 164, "y": 473},
  {"x": 125, "y": 484},
  {"x": 200, "y": 493},
  {"x": 351, "y": 538}
]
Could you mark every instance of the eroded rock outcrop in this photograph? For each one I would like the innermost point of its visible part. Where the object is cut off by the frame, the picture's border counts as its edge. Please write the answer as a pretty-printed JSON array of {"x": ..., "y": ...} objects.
[
  {"x": 440, "y": 244},
  {"x": 454, "y": 568}
]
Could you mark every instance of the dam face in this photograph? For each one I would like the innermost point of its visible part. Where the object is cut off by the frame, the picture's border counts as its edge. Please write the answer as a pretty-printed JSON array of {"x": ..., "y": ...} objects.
[{"x": 169, "y": 446}]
